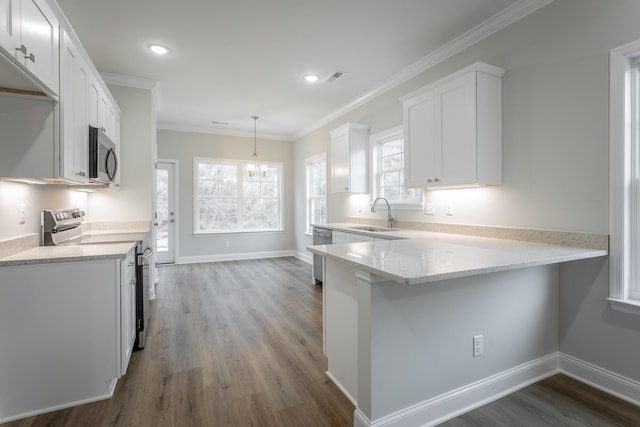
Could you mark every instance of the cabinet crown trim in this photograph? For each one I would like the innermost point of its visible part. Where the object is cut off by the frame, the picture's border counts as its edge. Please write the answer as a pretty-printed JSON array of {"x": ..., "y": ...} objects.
[
  {"x": 477, "y": 67},
  {"x": 350, "y": 125}
]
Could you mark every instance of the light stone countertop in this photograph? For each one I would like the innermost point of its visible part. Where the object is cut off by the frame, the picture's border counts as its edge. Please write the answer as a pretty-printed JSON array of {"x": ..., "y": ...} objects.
[
  {"x": 68, "y": 253},
  {"x": 423, "y": 256},
  {"x": 113, "y": 241}
]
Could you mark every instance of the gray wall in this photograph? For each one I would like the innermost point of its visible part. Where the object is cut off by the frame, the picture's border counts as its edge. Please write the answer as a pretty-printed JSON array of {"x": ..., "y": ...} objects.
[
  {"x": 183, "y": 147},
  {"x": 555, "y": 155}
]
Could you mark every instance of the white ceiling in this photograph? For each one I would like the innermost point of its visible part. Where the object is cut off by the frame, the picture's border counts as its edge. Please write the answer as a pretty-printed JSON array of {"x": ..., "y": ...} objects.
[{"x": 237, "y": 58}]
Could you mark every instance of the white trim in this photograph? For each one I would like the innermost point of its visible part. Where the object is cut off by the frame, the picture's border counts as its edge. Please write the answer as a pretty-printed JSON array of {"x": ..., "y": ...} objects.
[
  {"x": 449, "y": 405},
  {"x": 600, "y": 378},
  {"x": 497, "y": 22},
  {"x": 178, "y": 127},
  {"x": 176, "y": 207},
  {"x": 628, "y": 306},
  {"x": 239, "y": 256},
  {"x": 129, "y": 81},
  {"x": 108, "y": 395},
  {"x": 620, "y": 197},
  {"x": 304, "y": 256},
  {"x": 344, "y": 391}
]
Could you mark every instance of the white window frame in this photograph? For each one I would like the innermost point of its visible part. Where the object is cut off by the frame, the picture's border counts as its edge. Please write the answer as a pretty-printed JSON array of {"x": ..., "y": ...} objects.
[
  {"x": 310, "y": 161},
  {"x": 624, "y": 136},
  {"x": 374, "y": 142},
  {"x": 241, "y": 165}
]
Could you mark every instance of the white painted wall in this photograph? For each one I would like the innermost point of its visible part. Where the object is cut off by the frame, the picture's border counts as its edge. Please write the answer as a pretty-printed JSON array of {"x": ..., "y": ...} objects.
[
  {"x": 135, "y": 199},
  {"x": 555, "y": 156},
  {"x": 35, "y": 198},
  {"x": 183, "y": 147}
]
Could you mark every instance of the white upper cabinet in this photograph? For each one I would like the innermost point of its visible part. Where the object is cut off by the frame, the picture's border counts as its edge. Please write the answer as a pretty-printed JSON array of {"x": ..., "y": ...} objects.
[
  {"x": 453, "y": 130},
  {"x": 74, "y": 112},
  {"x": 29, "y": 32},
  {"x": 349, "y": 158}
]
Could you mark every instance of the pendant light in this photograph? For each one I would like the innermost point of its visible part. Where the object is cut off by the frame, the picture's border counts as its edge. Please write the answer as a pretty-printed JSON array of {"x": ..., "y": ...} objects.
[{"x": 254, "y": 157}]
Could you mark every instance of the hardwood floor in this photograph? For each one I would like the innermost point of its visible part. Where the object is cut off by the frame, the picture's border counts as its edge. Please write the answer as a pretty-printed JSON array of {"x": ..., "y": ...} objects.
[{"x": 239, "y": 343}]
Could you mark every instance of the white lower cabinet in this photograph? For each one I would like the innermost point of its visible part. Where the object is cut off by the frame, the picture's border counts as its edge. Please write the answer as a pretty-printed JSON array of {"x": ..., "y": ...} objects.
[{"x": 62, "y": 329}]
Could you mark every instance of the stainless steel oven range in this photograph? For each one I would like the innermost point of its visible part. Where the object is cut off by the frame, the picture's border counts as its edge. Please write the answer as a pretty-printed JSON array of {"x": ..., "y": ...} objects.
[{"x": 62, "y": 227}]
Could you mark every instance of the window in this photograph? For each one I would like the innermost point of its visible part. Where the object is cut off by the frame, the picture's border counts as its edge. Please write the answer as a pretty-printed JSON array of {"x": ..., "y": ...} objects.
[
  {"x": 387, "y": 150},
  {"x": 227, "y": 199},
  {"x": 316, "y": 190},
  {"x": 624, "y": 251}
]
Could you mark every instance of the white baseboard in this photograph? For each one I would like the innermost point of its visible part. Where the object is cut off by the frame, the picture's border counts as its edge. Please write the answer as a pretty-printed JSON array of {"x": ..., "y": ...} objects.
[
  {"x": 342, "y": 389},
  {"x": 441, "y": 408},
  {"x": 108, "y": 395},
  {"x": 602, "y": 379},
  {"x": 234, "y": 256},
  {"x": 304, "y": 256}
]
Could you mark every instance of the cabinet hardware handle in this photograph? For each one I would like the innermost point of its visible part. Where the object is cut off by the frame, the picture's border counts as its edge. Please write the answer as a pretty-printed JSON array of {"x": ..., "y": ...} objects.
[
  {"x": 131, "y": 264},
  {"x": 22, "y": 49},
  {"x": 155, "y": 223},
  {"x": 103, "y": 130},
  {"x": 81, "y": 173},
  {"x": 172, "y": 220},
  {"x": 429, "y": 180},
  {"x": 31, "y": 57},
  {"x": 437, "y": 180},
  {"x": 133, "y": 282},
  {"x": 346, "y": 188}
]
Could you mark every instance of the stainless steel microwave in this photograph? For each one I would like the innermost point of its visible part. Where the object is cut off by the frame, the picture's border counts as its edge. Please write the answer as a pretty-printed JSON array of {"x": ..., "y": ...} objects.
[{"x": 103, "y": 161}]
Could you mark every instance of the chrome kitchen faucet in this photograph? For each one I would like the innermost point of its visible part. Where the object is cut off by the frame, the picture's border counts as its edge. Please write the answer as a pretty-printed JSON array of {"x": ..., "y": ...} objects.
[{"x": 389, "y": 217}]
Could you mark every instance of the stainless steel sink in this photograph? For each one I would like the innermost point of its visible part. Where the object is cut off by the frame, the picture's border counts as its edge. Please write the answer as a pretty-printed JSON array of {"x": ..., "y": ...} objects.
[{"x": 372, "y": 228}]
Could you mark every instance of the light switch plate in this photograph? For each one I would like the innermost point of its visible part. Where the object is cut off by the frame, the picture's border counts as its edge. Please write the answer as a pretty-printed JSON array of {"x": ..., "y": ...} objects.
[{"x": 430, "y": 208}]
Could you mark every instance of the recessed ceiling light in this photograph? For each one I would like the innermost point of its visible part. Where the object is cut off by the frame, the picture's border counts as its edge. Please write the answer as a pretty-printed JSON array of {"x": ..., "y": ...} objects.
[
  {"x": 159, "y": 50},
  {"x": 311, "y": 78}
]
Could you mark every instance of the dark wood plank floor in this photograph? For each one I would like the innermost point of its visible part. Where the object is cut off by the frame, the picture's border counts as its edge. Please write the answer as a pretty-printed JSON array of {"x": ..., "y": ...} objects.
[{"x": 240, "y": 344}]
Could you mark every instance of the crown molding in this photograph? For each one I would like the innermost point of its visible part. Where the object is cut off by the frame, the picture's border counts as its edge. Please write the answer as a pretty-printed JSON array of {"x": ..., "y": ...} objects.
[
  {"x": 502, "y": 19},
  {"x": 135, "y": 82},
  {"x": 231, "y": 132},
  {"x": 129, "y": 81}
]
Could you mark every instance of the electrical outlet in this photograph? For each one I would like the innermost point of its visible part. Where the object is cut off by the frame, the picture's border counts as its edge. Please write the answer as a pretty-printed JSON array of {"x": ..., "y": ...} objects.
[
  {"x": 478, "y": 346},
  {"x": 449, "y": 210},
  {"x": 21, "y": 213},
  {"x": 430, "y": 208},
  {"x": 227, "y": 243}
]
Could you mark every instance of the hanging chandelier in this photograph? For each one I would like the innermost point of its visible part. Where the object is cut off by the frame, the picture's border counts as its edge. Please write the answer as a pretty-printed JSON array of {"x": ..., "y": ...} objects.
[{"x": 253, "y": 167}]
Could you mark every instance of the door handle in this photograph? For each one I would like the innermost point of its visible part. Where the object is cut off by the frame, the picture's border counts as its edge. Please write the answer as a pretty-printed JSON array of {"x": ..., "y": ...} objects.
[{"x": 172, "y": 220}]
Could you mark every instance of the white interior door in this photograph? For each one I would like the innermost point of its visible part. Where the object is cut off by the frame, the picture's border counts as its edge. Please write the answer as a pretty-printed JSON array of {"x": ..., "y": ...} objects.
[{"x": 166, "y": 214}]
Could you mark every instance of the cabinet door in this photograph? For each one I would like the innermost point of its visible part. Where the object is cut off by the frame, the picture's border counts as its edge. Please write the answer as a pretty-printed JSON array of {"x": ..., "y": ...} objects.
[
  {"x": 455, "y": 130},
  {"x": 98, "y": 106},
  {"x": 10, "y": 25},
  {"x": 422, "y": 152},
  {"x": 39, "y": 34},
  {"x": 74, "y": 82},
  {"x": 127, "y": 309},
  {"x": 340, "y": 162}
]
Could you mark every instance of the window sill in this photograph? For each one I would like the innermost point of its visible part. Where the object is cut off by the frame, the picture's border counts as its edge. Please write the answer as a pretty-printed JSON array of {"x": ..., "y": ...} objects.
[{"x": 625, "y": 305}]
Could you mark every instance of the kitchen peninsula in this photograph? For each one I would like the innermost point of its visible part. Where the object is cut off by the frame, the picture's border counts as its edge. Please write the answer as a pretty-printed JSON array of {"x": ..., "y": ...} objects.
[{"x": 430, "y": 324}]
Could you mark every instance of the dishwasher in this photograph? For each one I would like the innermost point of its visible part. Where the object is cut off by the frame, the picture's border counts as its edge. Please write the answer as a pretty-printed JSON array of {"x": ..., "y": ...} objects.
[{"x": 321, "y": 236}]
